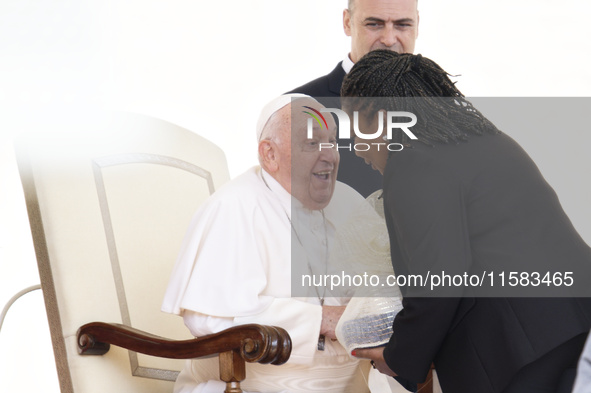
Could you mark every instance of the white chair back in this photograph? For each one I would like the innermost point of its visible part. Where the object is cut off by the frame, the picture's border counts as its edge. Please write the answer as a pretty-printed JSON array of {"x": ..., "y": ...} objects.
[{"x": 109, "y": 202}]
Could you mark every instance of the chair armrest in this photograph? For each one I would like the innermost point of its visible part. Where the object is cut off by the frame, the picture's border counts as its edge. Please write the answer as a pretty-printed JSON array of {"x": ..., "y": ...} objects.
[{"x": 254, "y": 343}]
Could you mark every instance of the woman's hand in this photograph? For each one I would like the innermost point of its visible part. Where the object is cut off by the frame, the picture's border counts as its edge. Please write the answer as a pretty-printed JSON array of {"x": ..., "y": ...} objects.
[{"x": 377, "y": 357}]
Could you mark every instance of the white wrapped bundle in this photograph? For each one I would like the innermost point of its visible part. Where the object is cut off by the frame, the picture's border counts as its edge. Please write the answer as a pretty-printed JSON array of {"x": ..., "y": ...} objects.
[{"x": 362, "y": 246}]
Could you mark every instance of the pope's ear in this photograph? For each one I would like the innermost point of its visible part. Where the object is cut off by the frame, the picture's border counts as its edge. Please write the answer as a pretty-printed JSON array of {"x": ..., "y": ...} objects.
[{"x": 268, "y": 156}]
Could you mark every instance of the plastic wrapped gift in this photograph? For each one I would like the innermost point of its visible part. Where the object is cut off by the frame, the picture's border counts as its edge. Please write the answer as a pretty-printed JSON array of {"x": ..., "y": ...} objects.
[{"x": 362, "y": 247}]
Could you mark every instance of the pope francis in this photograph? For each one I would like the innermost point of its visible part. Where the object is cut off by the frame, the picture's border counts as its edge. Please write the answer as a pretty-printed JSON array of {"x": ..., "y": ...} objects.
[{"x": 235, "y": 263}]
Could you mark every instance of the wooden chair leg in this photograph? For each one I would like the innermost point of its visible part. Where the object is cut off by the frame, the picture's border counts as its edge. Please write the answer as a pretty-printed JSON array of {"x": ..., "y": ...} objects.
[
  {"x": 232, "y": 371},
  {"x": 233, "y": 387}
]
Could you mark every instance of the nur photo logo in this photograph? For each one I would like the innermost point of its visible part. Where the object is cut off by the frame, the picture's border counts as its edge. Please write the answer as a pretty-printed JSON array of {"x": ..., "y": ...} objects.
[{"x": 344, "y": 127}]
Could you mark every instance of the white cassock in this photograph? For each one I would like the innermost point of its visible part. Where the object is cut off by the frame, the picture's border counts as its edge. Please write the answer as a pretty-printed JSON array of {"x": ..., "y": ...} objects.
[{"x": 234, "y": 268}]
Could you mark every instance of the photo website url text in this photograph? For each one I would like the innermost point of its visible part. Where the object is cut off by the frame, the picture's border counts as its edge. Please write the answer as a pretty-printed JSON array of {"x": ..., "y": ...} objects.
[{"x": 437, "y": 280}]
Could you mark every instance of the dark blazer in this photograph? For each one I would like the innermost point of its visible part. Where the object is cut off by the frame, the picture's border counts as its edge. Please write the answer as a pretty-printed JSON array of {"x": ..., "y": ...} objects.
[
  {"x": 352, "y": 169},
  {"x": 326, "y": 86},
  {"x": 476, "y": 206}
]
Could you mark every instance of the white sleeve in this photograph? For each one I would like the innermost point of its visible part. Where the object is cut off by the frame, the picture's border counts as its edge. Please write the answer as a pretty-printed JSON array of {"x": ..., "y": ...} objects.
[
  {"x": 302, "y": 321},
  {"x": 206, "y": 258},
  {"x": 202, "y": 325}
]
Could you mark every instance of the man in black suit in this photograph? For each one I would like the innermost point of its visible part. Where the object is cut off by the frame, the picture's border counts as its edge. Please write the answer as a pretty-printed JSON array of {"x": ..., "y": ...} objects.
[{"x": 371, "y": 24}]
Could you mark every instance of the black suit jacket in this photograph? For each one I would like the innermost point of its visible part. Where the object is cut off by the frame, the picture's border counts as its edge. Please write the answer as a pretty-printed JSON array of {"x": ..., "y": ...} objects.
[
  {"x": 352, "y": 169},
  {"x": 478, "y": 205}
]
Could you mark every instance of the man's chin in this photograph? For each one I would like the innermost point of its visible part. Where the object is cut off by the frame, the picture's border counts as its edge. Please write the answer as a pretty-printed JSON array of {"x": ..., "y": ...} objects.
[
  {"x": 315, "y": 198},
  {"x": 322, "y": 200}
]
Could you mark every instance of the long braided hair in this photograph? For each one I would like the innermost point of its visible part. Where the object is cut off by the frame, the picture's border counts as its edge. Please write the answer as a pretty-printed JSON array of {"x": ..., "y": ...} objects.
[{"x": 415, "y": 84}]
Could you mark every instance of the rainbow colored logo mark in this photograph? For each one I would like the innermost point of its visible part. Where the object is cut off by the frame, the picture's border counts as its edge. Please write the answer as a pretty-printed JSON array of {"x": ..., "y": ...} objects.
[{"x": 316, "y": 117}]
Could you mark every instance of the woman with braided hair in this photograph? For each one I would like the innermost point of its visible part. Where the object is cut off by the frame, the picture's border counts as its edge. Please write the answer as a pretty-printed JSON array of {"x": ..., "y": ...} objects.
[{"x": 461, "y": 197}]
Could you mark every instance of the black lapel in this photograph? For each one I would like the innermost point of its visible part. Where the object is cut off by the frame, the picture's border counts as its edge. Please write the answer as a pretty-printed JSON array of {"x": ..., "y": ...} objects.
[{"x": 335, "y": 79}]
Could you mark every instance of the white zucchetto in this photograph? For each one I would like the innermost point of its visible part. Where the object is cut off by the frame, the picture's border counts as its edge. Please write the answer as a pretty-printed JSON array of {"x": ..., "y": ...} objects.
[{"x": 272, "y": 107}]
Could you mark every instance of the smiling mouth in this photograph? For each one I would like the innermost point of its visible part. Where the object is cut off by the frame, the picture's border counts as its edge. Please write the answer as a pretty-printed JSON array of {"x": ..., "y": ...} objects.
[{"x": 323, "y": 175}]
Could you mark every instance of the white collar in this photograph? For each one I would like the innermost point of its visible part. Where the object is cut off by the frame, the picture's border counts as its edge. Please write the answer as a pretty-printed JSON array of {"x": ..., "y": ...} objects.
[
  {"x": 277, "y": 189},
  {"x": 288, "y": 202},
  {"x": 347, "y": 64}
]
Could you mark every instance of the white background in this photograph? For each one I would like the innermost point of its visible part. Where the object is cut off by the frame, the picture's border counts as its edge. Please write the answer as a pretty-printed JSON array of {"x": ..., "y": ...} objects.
[{"x": 210, "y": 67}]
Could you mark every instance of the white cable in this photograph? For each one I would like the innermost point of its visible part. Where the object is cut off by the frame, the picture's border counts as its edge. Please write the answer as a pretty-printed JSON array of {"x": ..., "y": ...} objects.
[{"x": 14, "y": 299}]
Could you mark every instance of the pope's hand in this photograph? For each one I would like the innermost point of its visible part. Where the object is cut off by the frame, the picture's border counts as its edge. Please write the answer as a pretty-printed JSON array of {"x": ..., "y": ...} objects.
[{"x": 330, "y": 318}]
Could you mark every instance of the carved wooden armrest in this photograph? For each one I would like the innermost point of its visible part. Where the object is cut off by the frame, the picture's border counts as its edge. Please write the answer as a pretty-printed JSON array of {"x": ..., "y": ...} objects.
[{"x": 236, "y": 345}]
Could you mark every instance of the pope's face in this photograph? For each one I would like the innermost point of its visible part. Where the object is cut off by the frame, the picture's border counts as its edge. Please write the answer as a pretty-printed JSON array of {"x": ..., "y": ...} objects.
[
  {"x": 381, "y": 24},
  {"x": 314, "y": 164}
]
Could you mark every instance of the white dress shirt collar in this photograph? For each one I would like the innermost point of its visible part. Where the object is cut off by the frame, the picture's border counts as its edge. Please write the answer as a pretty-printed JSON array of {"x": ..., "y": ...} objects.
[{"x": 347, "y": 64}]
